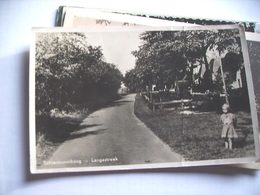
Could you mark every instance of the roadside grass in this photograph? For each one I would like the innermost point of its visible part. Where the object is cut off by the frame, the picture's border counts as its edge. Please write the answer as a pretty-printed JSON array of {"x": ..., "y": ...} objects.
[
  {"x": 196, "y": 136},
  {"x": 54, "y": 129}
]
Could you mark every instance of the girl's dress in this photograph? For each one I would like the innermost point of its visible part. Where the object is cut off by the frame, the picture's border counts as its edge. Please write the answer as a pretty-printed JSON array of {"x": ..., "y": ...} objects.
[{"x": 228, "y": 121}]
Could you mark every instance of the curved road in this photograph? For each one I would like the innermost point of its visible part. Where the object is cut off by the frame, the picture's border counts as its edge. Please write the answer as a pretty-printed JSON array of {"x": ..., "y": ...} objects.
[{"x": 112, "y": 136}]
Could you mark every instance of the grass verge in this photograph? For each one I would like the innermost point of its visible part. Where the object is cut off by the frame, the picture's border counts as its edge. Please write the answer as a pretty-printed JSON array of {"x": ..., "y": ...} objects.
[
  {"x": 196, "y": 136},
  {"x": 53, "y": 131}
]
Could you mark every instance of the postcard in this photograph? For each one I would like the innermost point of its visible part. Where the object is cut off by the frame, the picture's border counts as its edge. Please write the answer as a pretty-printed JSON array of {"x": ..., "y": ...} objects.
[
  {"x": 140, "y": 98},
  {"x": 80, "y": 17}
]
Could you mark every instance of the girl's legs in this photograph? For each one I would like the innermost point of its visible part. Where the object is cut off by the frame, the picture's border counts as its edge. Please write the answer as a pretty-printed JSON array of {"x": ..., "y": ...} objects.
[
  {"x": 226, "y": 143},
  {"x": 230, "y": 143}
]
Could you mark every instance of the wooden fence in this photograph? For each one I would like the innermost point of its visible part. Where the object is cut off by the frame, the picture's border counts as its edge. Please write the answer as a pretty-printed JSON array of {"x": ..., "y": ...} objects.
[
  {"x": 155, "y": 100},
  {"x": 181, "y": 102}
]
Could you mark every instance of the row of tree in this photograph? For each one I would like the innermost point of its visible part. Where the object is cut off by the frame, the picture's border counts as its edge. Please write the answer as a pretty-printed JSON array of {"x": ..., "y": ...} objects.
[
  {"x": 166, "y": 57},
  {"x": 71, "y": 73}
]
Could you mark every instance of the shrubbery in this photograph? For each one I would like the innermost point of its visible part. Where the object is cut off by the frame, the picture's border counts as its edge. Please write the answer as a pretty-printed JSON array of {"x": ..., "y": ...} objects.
[{"x": 70, "y": 73}]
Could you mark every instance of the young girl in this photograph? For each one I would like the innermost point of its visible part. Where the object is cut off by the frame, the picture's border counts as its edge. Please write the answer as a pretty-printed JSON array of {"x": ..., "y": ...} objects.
[{"x": 229, "y": 122}]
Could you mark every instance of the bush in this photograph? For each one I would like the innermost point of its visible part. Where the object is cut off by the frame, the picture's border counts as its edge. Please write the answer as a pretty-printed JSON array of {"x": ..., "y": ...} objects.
[{"x": 71, "y": 72}]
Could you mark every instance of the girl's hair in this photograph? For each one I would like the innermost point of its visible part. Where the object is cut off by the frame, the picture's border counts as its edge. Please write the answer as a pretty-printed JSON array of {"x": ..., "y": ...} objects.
[{"x": 226, "y": 107}]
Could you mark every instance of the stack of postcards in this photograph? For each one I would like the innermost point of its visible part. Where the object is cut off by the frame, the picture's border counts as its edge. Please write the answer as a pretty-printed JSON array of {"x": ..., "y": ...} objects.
[{"x": 122, "y": 91}]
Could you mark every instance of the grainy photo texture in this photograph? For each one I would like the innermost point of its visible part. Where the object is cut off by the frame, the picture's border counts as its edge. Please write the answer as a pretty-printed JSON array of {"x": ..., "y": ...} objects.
[
  {"x": 106, "y": 100},
  {"x": 254, "y": 50}
]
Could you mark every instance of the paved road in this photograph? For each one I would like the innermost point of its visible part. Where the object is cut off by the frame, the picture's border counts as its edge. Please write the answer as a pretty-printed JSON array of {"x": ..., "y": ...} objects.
[{"x": 113, "y": 136}]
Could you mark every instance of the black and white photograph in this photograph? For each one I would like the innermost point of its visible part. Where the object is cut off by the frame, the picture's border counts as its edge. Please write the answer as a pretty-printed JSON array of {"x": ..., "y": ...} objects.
[{"x": 140, "y": 98}]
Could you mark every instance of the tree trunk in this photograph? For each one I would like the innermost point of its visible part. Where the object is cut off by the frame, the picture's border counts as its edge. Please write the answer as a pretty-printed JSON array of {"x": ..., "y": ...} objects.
[{"x": 207, "y": 77}]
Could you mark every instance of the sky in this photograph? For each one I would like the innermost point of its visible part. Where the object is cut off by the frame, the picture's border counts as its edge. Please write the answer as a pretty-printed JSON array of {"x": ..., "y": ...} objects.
[{"x": 117, "y": 47}]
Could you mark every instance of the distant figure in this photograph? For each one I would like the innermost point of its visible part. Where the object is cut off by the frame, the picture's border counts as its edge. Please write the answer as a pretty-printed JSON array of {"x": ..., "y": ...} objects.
[{"x": 229, "y": 122}]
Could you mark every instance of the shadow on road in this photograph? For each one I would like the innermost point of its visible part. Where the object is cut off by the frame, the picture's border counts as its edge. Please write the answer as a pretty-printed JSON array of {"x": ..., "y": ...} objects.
[
  {"x": 117, "y": 103},
  {"x": 85, "y": 133},
  {"x": 70, "y": 130}
]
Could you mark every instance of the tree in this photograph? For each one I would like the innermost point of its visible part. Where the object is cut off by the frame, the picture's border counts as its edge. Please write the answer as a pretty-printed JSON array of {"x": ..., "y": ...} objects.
[
  {"x": 69, "y": 71},
  {"x": 168, "y": 56},
  {"x": 58, "y": 58},
  {"x": 158, "y": 62},
  {"x": 131, "y": 81}
]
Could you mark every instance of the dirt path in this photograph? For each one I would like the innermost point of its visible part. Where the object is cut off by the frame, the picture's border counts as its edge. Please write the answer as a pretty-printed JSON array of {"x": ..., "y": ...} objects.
[{"x": 112, "y": 136}]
